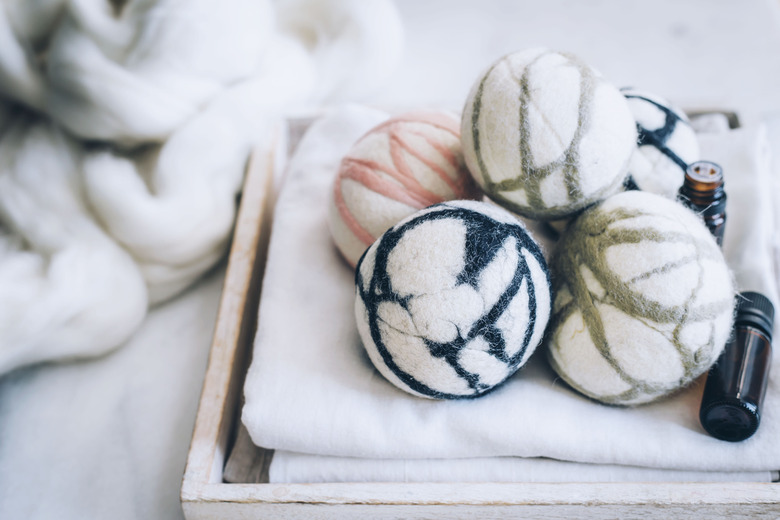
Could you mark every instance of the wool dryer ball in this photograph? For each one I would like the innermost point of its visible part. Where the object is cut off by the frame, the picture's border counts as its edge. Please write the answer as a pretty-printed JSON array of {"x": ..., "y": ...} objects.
[
  {"x": 545, "y": 135},
  {"x": 452, "y": 300},
  {"x": 407, "y": 163},
  {"x": 643, "y": 300},
  {"x": 667, "y": 143}
]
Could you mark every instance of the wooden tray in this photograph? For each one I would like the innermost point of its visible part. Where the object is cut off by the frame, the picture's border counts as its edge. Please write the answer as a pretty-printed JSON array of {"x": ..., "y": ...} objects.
[{"x": 204, "y": 494}]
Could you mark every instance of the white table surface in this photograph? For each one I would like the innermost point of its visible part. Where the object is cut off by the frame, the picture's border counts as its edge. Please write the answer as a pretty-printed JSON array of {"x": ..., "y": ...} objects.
[{"x": 108, "y": 438}]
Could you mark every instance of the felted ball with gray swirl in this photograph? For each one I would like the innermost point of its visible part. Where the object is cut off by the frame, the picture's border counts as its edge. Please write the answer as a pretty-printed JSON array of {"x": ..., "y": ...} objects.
[
  {"x": 643, "y": 300},
  {"x": 451, "y": 301},
  {"x": 545, "y": 135},
  {"x": 666, "y": 143}
]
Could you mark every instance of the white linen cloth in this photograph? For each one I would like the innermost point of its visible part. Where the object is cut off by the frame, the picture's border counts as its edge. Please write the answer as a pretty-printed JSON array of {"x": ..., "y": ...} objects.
[
  {"x": 311, "y": 388},
  {"x": 290, "y": 467}
]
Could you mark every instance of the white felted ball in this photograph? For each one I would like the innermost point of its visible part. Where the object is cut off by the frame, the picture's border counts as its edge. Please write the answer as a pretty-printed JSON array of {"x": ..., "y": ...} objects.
[
  {"x": 667, "y": 143},
  {"x": 452, "y": 300},
  {"x": 643, "y": 300},
  {"x": 545, "y": 135},
  {"x": 407, "y": 163}
]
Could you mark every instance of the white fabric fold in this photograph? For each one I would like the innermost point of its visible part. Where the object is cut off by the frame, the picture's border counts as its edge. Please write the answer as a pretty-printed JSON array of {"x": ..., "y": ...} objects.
[
  {"x": 311, "y": 388},
  {"x": 289, "y": 467},
  {"x": 750, "y": 235}
]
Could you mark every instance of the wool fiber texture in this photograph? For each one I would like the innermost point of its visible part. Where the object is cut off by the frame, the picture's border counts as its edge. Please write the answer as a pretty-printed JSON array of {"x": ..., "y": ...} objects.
[
  {"x": 545, "y": 135},
  {"x": 125, "y": 130},
  {"x": 134, "y": 72},
  {"x": 405, "y": 164},
  {"x": 453, "y": 300},
  {"x": 355, "y": 45},
  {"x": 666, "y": 143},
  {"x": 644, "y": 300}
]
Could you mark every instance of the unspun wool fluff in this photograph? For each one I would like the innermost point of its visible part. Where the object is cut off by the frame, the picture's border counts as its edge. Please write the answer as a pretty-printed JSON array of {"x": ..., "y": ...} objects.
[
  {"x": 643, "y": 300},
  {"x": 666, "y": 143},
  {"x": 405, "y": 164},
  {"x": 178, "y": 92},
  {"x": 545, "y": 135},
  {"x": 451, "y": 301},
  {"x": 355, "y": 44},
  {"x": 67, "y": 289},
  {"x": 137, "y": 72},
  {"x": 134, "y": 71}
]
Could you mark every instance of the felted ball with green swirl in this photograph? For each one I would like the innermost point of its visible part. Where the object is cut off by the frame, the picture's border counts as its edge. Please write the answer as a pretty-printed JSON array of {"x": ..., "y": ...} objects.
[
  {"x": 545, "y": 135},
  {"x": 643, "y": 300}
]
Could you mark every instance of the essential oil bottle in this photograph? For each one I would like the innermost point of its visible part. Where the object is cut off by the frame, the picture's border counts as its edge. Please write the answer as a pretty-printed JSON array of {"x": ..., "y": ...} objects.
[
  {"x": 736, "y": 384},
  {"x": 703, "y": 192}
]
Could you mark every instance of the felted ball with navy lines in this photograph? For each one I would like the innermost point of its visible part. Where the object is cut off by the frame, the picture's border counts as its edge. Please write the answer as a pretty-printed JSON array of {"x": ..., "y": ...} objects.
[
  {"x": 452, "y": 300},
  {"x": 545, "y": 135},
  {"x": 666, "y": 144}
]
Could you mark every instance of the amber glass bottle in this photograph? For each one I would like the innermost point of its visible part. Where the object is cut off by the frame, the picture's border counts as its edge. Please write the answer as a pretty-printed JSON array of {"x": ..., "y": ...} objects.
[
  {"x": 702, "y": 191},
  {"x": 736, "y": 385}
]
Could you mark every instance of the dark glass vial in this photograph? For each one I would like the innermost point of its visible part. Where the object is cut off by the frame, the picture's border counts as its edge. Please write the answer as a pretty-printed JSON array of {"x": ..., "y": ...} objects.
[
  {"x": 736, "y": 385},
  {"x": 703, "y": 192}
]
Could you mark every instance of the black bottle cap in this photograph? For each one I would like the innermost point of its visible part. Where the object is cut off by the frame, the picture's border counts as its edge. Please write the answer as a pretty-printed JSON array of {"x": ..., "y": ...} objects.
[
  {"x": 756, "y": 309},
  {"x": 729, "y": 420}
]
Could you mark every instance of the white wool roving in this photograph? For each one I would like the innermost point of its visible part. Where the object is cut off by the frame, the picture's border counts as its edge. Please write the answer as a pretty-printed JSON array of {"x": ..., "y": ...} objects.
[
  {"x": 451, "y": 301},
  {"x": 643, "y": 300},
  {"x": 545, "y": 135},
  {"x": 176, "y": 93},
  {"x": 66, "y": 288},
  {"x": 24, "y": 30},
  {"x": 666, "y": 144},
  {"x": 405, "y": 164},
  {"x": 132, "y": 72},
  {"x": 173, "y": 207},
  {"x": 355, "y": 44},
  {"x": 135, "y": 73}
]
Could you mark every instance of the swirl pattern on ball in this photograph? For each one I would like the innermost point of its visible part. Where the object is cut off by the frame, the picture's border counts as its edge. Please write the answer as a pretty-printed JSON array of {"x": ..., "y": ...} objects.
[
  {"x": 453, "y": 300},
  {"x": 407, "y": 163},
  {"x": 545, "y": 135},
  {"x": 644, "y": 300},
  {"x": 666, "y": 144}
]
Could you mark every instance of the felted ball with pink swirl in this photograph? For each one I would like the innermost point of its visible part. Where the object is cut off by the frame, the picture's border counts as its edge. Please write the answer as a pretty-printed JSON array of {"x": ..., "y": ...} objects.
[{"x": 405, "y": 164}]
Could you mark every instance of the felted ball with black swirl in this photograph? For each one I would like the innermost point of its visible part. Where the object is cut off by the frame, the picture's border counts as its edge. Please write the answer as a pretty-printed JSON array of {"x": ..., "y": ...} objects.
[
  {"x": 666, "y": 144},
  {"x": 452, "y": 300}
]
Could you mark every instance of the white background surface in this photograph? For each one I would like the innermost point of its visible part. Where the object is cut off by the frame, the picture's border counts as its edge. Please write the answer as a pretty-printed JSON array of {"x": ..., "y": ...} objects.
[
  {"x": 112, "y": 439},
  {"x": 701, "y": 54}
]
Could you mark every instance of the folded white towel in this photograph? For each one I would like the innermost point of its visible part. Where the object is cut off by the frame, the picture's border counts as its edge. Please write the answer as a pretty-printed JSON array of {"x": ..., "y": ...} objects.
[
  {"x": 311, "y": 388},
  {"x": 289, "y": 467}
]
